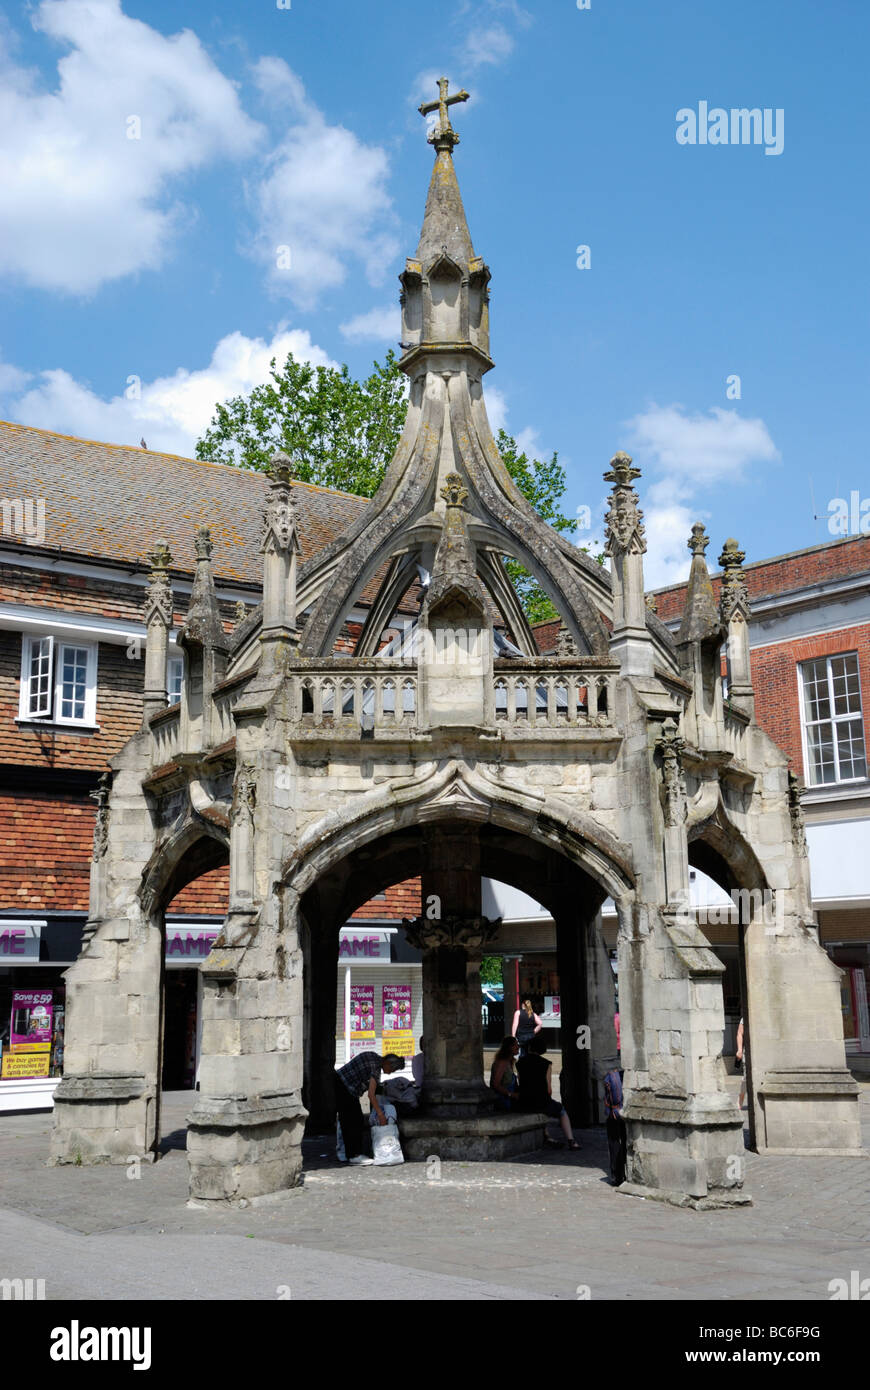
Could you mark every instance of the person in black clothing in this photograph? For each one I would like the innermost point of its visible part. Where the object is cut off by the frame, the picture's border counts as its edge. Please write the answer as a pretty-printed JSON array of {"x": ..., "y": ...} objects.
[
  {"x": 358, "y": 1076},
  {"x": 536, "y": 1088}
]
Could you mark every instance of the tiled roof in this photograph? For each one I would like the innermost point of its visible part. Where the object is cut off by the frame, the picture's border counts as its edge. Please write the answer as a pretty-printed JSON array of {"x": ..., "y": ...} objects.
[{"x": 112, "y": 502}]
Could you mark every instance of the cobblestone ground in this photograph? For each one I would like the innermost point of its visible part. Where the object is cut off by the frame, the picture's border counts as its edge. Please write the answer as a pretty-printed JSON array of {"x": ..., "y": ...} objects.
[{"x": 540, "y": 1226}]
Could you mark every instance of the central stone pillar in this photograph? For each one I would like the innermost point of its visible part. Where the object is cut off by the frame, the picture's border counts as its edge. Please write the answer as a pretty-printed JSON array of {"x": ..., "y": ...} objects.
[
  {"x": 452, "y": 935},
  {"x": 458, "y": 1116}
]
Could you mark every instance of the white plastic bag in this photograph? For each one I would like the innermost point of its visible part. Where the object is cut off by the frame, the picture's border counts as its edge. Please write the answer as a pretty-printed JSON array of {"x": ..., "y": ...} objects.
[{"x": 386, "y": 1146}]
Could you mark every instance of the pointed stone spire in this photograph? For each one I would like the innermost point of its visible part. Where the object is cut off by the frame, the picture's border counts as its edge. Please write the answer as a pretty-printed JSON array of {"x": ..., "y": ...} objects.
[
  {"x": 701, "y": 619},
  {"x": 445, "y": 230},
  {"x": 445, "y": 300},
  {"x": 202, "y": 626}
]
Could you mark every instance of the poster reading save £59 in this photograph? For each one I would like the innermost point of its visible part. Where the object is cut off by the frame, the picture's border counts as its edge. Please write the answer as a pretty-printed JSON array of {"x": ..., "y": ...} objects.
[{"x": 29, "y": 1034}]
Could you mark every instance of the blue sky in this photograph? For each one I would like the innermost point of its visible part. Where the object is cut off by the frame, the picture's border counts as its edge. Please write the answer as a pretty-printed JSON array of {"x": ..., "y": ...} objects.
[{"x": 154, "y": 258}]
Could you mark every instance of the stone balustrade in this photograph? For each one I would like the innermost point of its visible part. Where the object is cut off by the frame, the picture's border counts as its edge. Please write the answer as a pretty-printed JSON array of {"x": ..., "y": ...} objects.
[
  {"x": 166, "y": 735},
  {"x": 368, "y": 694},
  {"x": 554, "y": 693}
]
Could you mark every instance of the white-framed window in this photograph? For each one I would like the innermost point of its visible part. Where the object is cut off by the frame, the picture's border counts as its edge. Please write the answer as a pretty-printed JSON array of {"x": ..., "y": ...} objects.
[
  {"x": 174, "y": 678},
  {"x": 58, "y": 680},
  {"x": 833, "y": 723}
]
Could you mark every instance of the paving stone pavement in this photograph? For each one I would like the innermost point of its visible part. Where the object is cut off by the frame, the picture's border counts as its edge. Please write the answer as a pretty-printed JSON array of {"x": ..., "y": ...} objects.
[{"x": 542, "y": 1226}]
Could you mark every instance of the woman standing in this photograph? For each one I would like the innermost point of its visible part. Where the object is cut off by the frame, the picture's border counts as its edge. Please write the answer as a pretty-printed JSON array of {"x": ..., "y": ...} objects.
[
  {"x": 526, "y": 1024},
  {"x": 503, "y": 1078}
]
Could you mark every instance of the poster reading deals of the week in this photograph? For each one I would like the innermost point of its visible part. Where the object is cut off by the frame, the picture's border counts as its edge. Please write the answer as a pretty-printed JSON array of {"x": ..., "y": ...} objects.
[
  {"x": 29, "y": 1034},
  {"x": 362, "y": 1018},
  {"x": 397, "y": 1034}
]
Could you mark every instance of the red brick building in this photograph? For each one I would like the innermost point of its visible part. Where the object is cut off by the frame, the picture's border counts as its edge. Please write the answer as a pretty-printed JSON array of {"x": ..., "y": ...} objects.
[{"x": 78, "y": 522}]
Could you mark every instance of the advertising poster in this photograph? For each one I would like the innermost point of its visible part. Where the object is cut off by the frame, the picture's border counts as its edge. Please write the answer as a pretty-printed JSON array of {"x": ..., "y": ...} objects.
[
  {"x": 397, "y": 1034},
  {"x": 24, "y": 1064},
  {"x": 362, "y": 1012},
  {"x": 31, "y": 1023}
]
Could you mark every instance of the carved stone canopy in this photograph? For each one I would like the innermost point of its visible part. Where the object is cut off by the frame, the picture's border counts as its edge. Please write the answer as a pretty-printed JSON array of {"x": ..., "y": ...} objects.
[
  {"x": 472, "y": 934},
  {"x": 280, "y": 530},
  {"x": 796, "y": 811},
  {"x": 158, "y": 595},
  {"x": 671, "y": 745},
  {"x": 101, "y": 825}
]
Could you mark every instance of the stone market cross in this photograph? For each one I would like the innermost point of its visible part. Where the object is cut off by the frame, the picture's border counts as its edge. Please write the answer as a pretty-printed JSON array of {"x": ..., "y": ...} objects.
[{"x": 602, "y": 771}]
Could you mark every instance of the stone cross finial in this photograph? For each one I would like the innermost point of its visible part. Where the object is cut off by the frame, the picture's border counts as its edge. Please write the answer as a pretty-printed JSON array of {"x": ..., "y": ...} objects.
[
  {"x": 454, "y": 490},
  {"x": 734, "y": 597},
  {"x": 202, "y": 543},
  {"x": 699, "y": 540},
  {"x": 624, "y": 521},
  {"x": 443, "y": 136}
]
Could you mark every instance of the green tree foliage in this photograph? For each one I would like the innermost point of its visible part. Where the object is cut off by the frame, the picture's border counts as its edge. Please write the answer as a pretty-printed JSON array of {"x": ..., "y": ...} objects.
[
  {"x": 339, "y": 432},
  {"x": 342, "y": 433},
  {"x": 542, "y": 483},
  {"x": 490, "y": 970}
]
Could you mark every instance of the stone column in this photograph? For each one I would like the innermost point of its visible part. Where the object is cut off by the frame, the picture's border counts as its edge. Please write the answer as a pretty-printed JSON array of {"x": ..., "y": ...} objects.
[
  {"x": 734, "y": 611},
  {"x": 158, "y": 621},
  {"x": 452, "y": 936},
  {"x": 626, "y": 544}
]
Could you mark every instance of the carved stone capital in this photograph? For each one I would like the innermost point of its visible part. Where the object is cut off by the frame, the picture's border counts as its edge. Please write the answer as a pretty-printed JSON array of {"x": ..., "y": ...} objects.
[{"x": 472, "y": 934}]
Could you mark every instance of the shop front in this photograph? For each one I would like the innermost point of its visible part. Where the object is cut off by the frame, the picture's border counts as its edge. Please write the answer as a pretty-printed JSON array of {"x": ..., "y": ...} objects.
[
  {"x": 379, "y": 1002},
  {"x": 34, "y": 952}
]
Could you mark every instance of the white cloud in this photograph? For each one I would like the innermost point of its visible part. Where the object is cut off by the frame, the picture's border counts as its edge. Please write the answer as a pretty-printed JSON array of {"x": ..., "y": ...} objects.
[
  {"x": 683, "y": 455},
  {"x": 496, "y": 408},
  {"x": 170, "y": 412},
  {"x": 323, "y": 196},
  {"x": 490, "y": 45},
  {"x": 383, "y": 325},
  {"x": 82, "y": 202}
]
